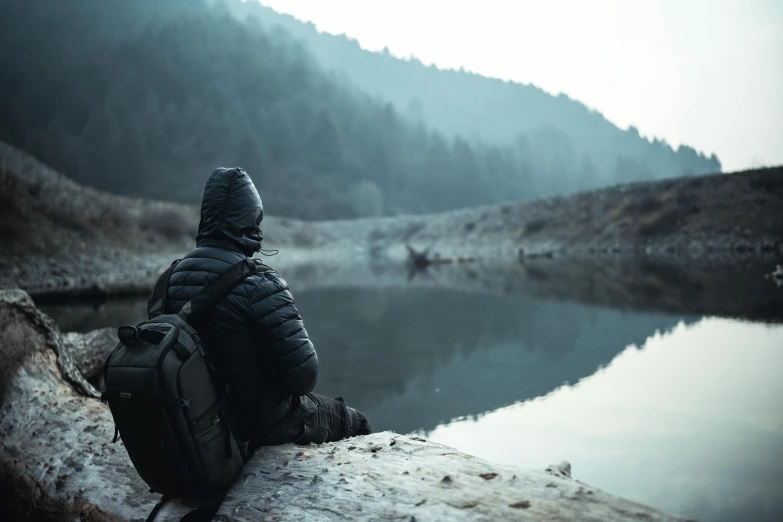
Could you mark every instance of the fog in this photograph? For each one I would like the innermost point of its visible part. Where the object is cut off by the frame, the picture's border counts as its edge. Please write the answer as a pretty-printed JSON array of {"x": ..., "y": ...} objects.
[
  {"x": 699, "y": 73},
  {"x": 144, "y": 99}
]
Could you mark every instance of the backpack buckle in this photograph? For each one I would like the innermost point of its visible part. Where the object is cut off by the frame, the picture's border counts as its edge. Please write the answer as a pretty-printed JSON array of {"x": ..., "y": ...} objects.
[{"x": 128, "y": 334}]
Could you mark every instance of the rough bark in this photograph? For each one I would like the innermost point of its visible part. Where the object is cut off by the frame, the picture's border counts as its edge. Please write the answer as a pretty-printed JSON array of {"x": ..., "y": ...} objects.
[
  {"x": 57, "y": 461},
  {"x": 89, "y": 351}
]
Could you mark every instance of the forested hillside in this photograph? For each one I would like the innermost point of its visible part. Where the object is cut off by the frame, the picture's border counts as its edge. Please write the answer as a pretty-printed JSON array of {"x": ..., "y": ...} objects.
[
  {"x": 145, "y": 98},
  {"x": 561, "y": 136}
]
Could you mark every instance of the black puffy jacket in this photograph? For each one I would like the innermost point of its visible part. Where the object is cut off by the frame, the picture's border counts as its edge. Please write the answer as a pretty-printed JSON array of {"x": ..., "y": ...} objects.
[{"x": 255, "y": 334}]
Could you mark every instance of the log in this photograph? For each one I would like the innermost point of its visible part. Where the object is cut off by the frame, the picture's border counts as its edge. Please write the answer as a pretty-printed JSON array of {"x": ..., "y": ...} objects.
[
  {"x": 57, "y": 461},
  {"x": 89, "y": 351},
  {"x": 418, "y": 261}
]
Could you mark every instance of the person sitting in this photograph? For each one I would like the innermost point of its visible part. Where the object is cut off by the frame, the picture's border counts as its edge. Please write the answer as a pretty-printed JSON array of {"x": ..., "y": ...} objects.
[{"x": 255, "y": 334}]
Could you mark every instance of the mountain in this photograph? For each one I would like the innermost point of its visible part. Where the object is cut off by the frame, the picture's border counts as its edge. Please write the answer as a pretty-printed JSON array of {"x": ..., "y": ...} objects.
[
  {"x": 145, "y": 98},
  {"x": 568, "y": 137}
]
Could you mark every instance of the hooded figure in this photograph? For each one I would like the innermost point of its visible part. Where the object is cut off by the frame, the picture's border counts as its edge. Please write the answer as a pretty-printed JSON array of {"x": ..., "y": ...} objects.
[
  {"x": 255, "y": 334},
  {"x": 231, "y": 212}
]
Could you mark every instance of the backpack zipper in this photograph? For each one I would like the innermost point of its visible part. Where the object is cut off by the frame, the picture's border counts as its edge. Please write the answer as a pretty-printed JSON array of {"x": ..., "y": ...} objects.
[
  {"x": 196, "y": 338},
  {"x": 205, "y": 412},
  {"x": 215, "y": 422}
]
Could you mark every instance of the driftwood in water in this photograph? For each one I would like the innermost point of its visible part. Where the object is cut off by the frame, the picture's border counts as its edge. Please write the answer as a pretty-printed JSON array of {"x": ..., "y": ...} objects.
[
  {"x": 57, "y": 461},
  {"x": 420, "y": 261}
]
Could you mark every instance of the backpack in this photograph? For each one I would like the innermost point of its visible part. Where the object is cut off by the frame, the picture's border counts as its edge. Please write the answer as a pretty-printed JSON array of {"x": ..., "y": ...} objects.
[{"x": 167, "y": 400}]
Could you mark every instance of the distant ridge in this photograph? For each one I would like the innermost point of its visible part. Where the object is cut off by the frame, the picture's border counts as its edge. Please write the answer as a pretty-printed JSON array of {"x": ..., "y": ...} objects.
[{"x": 493, "y": 110}]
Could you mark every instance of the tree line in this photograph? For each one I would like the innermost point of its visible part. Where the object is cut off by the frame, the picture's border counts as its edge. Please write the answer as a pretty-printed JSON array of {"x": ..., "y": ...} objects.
[{"x": 145, "y": 98}]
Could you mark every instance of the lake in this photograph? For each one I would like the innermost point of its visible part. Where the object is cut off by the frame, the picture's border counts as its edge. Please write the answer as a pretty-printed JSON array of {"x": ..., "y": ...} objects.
[{"x": 680, "y": 412}]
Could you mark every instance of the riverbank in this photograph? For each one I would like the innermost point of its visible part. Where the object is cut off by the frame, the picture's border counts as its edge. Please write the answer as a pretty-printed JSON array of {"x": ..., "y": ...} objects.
[
  {"x": 62, "y": 240},
  {"x": 696, "y": 217}
]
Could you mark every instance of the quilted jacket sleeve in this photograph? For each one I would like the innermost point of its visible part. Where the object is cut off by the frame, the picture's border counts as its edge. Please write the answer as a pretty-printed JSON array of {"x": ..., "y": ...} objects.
[{"x": 281, "y": 333}]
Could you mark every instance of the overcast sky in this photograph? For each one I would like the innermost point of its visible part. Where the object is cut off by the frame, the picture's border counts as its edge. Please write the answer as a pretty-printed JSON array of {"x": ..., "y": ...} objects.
[{"x": 707, "y": 73}]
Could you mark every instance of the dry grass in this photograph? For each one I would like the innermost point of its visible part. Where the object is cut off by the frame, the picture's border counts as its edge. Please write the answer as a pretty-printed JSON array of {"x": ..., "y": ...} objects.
[
  {"x": 749, "y": 203},
  {"x": 44, "y": 213}
]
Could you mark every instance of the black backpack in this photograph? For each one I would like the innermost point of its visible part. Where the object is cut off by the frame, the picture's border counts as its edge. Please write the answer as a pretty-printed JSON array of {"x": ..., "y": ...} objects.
[{"x": 167, "y": 400}]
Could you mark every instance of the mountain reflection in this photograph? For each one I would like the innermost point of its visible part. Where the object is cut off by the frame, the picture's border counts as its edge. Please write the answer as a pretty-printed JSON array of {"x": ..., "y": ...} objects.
[{"x": 412, "y": 358}]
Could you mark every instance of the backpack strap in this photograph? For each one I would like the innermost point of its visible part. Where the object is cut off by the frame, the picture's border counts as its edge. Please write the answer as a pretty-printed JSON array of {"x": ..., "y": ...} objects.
[
  {"x": 161, "y": 292},
  {"x": 157, "y": 507},
  {"x": 207, "y": 511},
  {"x": 204, "y": 513},
  {"x": 215, "y": 291}
]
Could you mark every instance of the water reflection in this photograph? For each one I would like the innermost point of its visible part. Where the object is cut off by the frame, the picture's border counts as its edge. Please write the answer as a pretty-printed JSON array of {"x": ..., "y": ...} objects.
[
  {"x": 415, "y": 358},
  {"x": 692, "y": 423},
  {"x": 83, "y": 316}
]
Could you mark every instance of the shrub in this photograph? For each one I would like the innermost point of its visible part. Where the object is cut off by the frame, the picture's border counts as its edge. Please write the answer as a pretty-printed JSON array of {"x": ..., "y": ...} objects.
[{"x": 167, "y": 222}]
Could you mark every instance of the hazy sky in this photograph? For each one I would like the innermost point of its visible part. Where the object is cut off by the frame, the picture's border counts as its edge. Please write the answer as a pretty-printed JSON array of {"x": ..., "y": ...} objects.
[{"x": 707, "y": 73}]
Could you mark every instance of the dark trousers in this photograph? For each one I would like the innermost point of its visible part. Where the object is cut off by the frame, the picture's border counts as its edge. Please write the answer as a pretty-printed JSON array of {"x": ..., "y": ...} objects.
[{"x": 315, "y": 418}]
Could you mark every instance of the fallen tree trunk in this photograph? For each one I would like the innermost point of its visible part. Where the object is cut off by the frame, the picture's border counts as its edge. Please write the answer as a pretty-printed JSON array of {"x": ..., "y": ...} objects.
[{"x": 57, "y": 461}]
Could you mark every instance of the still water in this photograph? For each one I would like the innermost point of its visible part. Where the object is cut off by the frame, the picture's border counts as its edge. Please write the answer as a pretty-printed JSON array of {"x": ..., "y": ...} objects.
[{"x": 684, "y": 413}]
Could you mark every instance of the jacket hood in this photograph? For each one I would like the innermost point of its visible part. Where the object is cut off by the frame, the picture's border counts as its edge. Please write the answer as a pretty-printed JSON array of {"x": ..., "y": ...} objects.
[{"x": 231, "y": 212}]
